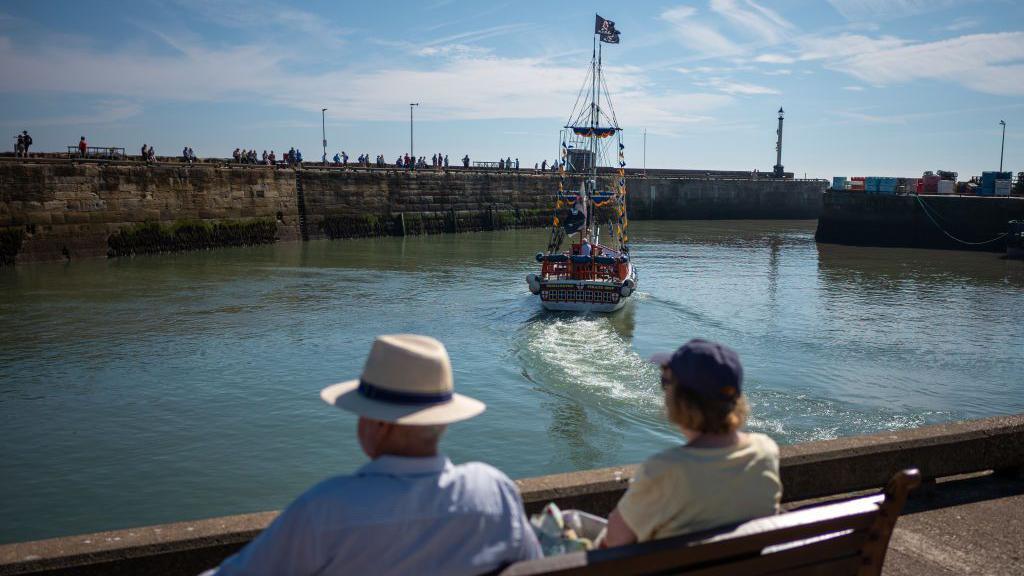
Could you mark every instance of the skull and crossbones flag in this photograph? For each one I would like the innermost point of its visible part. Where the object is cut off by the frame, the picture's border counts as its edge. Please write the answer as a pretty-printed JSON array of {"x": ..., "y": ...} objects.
[{"x": 606, "y": 29}]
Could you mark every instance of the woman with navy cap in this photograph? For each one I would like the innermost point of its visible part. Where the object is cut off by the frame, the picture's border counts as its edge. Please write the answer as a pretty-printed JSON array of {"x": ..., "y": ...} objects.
[{"x": 721, "y": 475}]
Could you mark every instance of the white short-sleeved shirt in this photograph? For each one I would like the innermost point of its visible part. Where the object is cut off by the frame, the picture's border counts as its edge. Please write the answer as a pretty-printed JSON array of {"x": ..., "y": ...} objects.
[
  {"x": 683, "y": 489},
  {"x": 396, "y": 515}
]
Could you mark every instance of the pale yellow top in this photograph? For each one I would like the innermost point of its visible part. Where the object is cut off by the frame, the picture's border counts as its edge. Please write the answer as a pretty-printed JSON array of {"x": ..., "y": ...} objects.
[{"x": 683, "y": 489}]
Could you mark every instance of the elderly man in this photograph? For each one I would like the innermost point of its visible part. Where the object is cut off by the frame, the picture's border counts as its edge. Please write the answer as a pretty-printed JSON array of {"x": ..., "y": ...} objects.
[{"x": 409, "y": 511}]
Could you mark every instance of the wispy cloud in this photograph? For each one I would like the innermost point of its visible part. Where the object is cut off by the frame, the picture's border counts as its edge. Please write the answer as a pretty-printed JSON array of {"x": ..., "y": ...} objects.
[
  {"x": 813, "y": 47},
  {"x": 702, "y": 38},
  {"x": 458, "y": 85},
  {"x": 962, "y": 23},
  {"x": 453, "y": 51},
  {"x": 733, "y": 87},
  {"x": 774, "y": 59},
  {"x": 748, "y": 16},
  {"x": 103, "y": 112},
  {"x": 989, "y": 63},
  {"x": 481, "y": 34},
  {"x": 855, "y": 117},
  {"x": 670, "y": 114},
  {"x": 874, "y": 10},
  {"x": 268, "y": 17},
  {"x": 854, "y": 88}
]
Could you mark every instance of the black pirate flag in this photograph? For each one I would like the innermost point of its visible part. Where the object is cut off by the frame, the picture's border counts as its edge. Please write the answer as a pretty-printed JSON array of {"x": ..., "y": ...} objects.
[{"x": 606, "y": 29}]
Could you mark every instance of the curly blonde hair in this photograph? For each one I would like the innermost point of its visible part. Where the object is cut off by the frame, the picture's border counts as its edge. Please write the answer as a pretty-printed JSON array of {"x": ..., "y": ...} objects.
[{"x": 692, "y": 411}]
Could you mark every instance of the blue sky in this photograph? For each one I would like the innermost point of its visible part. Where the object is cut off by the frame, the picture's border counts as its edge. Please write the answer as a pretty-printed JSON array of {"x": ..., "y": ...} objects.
[{"x": 886, "y": 87}]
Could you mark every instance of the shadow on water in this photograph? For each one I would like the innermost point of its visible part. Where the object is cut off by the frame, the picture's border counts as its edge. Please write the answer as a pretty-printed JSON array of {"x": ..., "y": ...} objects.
[{"x": 885, "y": 268}]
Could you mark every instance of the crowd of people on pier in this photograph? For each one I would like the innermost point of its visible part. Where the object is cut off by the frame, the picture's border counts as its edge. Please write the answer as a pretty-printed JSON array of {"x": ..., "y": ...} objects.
[
  {"x": 293, "y": 158},
  {"x": 411, "y": 510}
]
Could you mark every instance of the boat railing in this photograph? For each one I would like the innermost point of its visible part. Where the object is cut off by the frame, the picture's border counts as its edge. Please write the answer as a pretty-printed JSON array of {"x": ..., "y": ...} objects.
[{"x": 583, "y": 271}]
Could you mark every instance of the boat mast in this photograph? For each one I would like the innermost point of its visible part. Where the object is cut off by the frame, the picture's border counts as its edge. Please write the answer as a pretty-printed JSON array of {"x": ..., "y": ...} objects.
[{"x": 595, "y": 117}]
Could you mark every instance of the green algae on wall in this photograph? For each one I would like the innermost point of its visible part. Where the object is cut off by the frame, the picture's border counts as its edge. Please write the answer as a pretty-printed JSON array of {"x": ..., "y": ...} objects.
[{"x": 153, "y": 237}]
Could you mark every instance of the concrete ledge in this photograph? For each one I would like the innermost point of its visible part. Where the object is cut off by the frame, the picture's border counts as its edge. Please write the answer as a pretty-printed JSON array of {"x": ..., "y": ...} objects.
[
  {"x": 808, "y": 471},
  {"x": 826, "y": 467}
]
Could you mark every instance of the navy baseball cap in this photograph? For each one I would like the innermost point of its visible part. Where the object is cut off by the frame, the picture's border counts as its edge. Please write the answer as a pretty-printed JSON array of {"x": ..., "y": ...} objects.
[{"x": 709, "y": 369}]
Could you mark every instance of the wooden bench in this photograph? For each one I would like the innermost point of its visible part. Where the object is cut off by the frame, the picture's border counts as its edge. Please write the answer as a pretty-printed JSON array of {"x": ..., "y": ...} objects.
[{"x": 848, "y": 537}]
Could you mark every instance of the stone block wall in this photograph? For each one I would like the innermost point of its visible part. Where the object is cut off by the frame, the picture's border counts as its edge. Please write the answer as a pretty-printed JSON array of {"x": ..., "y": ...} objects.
[
  {"x": 341, "y": 204},
  {"x": 52, "y": 209},
  {"x": 861, "y": 219},
  {"x": 713, "y": 198},
  {"x": 70, "y": 210}
]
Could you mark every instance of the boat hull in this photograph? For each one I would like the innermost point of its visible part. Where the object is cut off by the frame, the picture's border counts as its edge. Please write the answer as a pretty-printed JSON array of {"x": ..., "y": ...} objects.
[{"x": 585, "y": 295}]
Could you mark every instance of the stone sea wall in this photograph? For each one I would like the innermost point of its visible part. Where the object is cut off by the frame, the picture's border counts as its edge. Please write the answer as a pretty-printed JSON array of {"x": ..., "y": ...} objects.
[
  {"x": 54, "y": 209},
  {"x": 860, "y": 219},
  {"x": 718, "y": 198},
  {"x": 346, "y": 204},
  {"x": 63, "y": 210}
]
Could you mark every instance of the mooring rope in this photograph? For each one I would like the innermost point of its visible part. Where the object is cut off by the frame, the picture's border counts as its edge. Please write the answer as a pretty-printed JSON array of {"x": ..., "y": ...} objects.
[{"x": 924, "y": 207}]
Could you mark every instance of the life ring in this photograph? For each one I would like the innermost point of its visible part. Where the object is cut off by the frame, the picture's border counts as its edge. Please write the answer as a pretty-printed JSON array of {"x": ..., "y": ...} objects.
[
  {"x": 627, "y": 288},
  {"x": 534, "y": 283}
]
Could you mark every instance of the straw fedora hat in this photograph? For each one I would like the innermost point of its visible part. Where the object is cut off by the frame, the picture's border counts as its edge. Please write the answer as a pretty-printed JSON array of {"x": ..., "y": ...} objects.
[{"x": 407, "y": 379}]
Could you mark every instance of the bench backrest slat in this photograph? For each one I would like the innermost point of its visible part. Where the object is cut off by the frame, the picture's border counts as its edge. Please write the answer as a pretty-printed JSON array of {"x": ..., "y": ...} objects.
[
  {"x": 822, "y": 552},
  {"x": 685, "y": 552},
  {"x": 841, "y": 538}
]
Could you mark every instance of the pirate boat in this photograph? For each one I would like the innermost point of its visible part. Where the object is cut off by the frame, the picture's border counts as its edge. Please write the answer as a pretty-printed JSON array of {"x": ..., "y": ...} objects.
[{"x": 593, "y": 272}]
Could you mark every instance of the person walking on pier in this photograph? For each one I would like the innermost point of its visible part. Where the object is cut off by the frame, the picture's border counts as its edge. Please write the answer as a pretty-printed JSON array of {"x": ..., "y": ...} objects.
[
  {"x": 465, "y": 161},
  {"x": 83, "y": 147},
  {"x": 409, "y": 510},
  {"x": 26, "y": 143}
]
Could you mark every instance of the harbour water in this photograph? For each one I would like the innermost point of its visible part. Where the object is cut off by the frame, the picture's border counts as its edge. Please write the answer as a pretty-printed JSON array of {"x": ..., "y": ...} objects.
[{"x": 154, "y": 389}]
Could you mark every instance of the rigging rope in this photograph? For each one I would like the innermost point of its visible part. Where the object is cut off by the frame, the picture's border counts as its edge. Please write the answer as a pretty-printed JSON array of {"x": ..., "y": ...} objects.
[
  {"x": 925, "y": 209},
  {"x": 586, "y": 82},
  {"x": 607, "y": 95}
]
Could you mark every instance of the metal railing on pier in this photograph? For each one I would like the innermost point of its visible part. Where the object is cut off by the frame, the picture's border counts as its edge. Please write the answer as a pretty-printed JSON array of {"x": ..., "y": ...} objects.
[{"x": 97, "y": 152}]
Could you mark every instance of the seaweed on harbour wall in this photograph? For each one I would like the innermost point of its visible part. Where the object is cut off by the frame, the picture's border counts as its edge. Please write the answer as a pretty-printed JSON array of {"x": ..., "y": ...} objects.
[
  {"x": 506, "y": 219},
  {"x": 184, "y": 235},
  {"x": 355, "y": 226},
  {"x": 10, "y": 244}
]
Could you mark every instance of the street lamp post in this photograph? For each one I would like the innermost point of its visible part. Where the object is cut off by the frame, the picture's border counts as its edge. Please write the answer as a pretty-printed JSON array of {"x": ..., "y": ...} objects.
[
  {"x": 412, "y": 153},
  {"x": 645, "y": 152},
  {"x": 323, "y": 131},
  {"x": 1002, "y": 146}
]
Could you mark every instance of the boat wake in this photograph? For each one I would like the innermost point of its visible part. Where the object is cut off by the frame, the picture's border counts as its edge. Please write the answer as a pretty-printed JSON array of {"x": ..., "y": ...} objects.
[{"x": 590, "y": 359}]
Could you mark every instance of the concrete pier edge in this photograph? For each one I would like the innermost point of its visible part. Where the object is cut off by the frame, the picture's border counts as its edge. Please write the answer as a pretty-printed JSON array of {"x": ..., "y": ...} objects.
[{"x": 809, "y": 470}]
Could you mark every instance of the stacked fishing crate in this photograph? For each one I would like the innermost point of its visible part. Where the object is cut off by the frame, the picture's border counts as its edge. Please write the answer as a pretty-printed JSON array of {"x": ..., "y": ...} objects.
[{"x": 995, "y": 184}]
